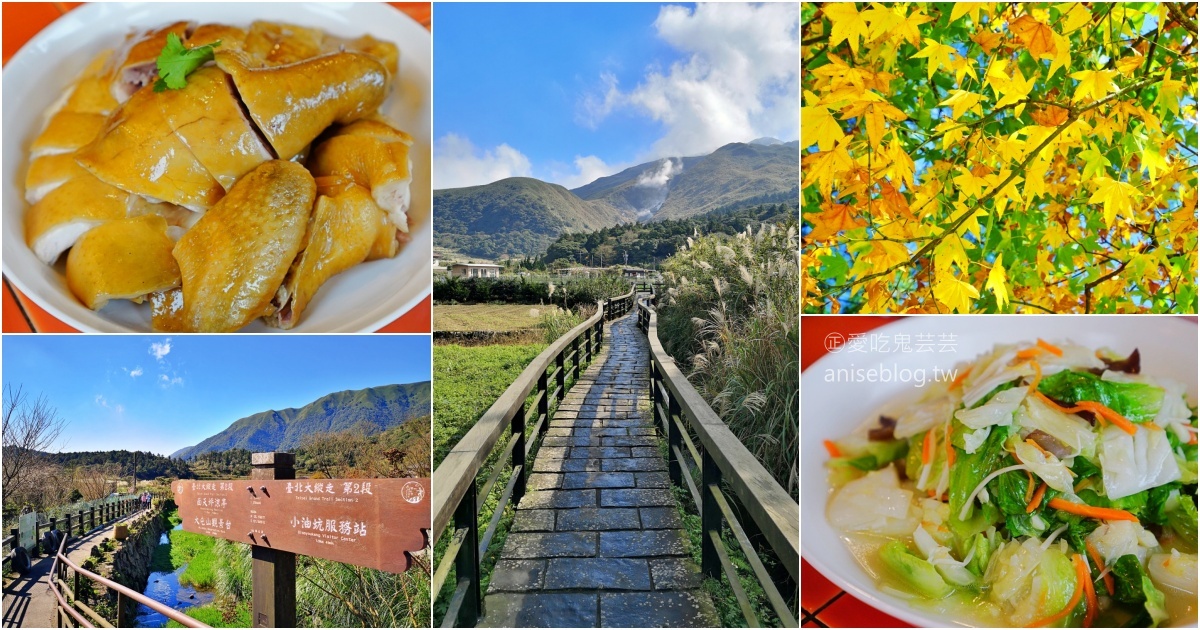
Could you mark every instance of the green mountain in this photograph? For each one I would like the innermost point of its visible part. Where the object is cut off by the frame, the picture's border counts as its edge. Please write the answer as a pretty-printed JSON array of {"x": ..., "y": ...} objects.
[
  {"x": 513, "y": 216},
  {"x": 372, "y": 410},
  {"x": 645, "y": 244},
  {"x": 733, "y": 174}
]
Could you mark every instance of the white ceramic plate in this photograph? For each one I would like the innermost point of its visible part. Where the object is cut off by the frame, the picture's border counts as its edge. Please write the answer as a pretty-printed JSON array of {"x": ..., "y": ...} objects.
[
  {"x": 359, "y": 300},
  {"x": 830, "y": 410}
]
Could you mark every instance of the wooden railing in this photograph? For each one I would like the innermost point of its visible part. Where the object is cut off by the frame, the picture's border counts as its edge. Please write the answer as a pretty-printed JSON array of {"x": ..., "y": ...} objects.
[
  {"x": 82, "y": 520},
  {"x": 457, "y": 496},
  {"x": 65, "y": 577},
  {"x": 722, "y": 460}
]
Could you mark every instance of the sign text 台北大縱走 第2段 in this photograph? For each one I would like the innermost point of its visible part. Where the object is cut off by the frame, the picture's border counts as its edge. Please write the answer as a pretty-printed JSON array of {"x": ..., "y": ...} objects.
[{"x": 367, "y": 522}]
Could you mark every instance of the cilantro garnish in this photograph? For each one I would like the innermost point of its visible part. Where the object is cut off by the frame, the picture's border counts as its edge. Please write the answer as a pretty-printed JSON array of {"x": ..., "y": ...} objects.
[{"x": 176, "y": 61}]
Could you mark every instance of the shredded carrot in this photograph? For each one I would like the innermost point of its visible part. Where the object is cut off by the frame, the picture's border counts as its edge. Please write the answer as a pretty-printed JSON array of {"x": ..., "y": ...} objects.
[
  {"x": 962, "y": 376},
  {"x": 1029, "y": 353},
  {"x": 1089, "y": 592},
  {"x": 1193, "y": 440},
  {"x": 1037, "y": 378},
  {"x": 833, "y": 449},
  {"x": 1096, "y": 408},
  {"x": 1034, "y": 444},
  {"x": 1049, "y": 347},
  {"x": 1029, "y": 488},
  {"x": 1037, "y": 499},
  {"x": 1095, "y": 555},
  {"x": 1151, "y": 425},
  {"x": 1081, "y": 576},
  {"x": 1104, "y": 514},
  {"x": 949, "y": 447},
  {"x": 927, "y": 448}
]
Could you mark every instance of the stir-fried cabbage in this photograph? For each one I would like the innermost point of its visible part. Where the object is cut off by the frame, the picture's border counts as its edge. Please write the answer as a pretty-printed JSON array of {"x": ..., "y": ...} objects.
[
  {"x": 1122, "y": 538},
  {"x": 1174, "y": 572},
  {"x": 998, "y": 410},
  {"x": 929, "y": 412},
  {"x": 1030, "y": 582},
  {"x": 1132, "y": 463},
  {"x": 1050, "y": 468},
  {"x": 874, "y": 503},
  {"x": 1138, "y": 402},
  {"x": 1074, "y": 432}
]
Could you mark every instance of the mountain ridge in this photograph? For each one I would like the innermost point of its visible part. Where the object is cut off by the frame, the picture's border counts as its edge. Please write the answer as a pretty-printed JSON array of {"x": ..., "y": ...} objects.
[
  {"x": 523, "y": 216},
  {"x": 371, "y": 409}
]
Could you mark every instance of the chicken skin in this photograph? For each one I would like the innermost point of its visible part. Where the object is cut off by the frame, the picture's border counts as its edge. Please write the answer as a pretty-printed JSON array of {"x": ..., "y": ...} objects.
[
  {"x": 238, "y": 253},
  {"x": 293, "y": 104},
  {"x": 124, "y": 259}
]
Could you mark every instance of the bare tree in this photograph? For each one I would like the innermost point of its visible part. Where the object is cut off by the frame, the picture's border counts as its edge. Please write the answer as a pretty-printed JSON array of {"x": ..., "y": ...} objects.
[
  {"x": 30, "y": 428},
  {"x": 96, "y": 482}
]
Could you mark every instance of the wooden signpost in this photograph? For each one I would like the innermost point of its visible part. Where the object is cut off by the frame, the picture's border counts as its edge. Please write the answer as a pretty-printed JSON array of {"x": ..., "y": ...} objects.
[{"x": 374, "y": 523}]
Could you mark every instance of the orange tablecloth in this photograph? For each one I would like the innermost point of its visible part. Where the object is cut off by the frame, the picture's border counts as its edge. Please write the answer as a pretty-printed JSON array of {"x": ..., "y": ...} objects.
[{"x": 23, "y": 20}]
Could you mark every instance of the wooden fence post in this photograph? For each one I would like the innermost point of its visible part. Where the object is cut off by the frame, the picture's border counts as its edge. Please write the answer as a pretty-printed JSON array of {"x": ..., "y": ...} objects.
[{"x": 274, "y": 571}]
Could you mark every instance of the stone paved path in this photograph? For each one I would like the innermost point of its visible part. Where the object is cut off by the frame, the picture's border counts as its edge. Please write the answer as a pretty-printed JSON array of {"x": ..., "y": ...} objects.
[
  {"x": 28, "y": 602},
  {"x": 596, "y": 541}
]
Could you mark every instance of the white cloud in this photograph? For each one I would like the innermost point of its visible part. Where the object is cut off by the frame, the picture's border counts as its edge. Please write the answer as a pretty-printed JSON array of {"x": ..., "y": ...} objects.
[
  {"x": 588, "y": 168},
  {"x": 160, "y": 350},
  {"x": 136, "y": 372},
  {"x": 120, "y": 409},
  {"x": 165, "y": 381},
  {"x": 739, "y": 79},
  {"x": 100, "y": 400},
  {"x": 458, "y": 163}
]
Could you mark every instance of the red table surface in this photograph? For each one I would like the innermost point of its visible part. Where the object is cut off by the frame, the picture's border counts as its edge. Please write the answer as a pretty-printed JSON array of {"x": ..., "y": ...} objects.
[
  {"x": 823, "y": 603},
  {"x": 23, "y": 20}
]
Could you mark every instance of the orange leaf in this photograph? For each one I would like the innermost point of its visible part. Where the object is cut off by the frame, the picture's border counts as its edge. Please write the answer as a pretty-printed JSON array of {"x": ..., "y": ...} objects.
[
  {"x": 894, "y": 200},
  {"x": 1049, "y": 116},
  {"x": 987, "y": 40},
  {"x": 1037, "y": 37},
  {"x": 835, "y": 218}
]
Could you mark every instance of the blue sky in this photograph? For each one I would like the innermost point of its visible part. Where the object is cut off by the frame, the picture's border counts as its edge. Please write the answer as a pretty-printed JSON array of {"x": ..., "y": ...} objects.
[
  {"x": 161, "y": 394},
  {"x": 573, "y": 91}
]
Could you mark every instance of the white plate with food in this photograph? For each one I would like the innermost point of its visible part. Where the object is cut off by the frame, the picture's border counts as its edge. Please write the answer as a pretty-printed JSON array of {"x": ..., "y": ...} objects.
[
  {"x": 340, "y": 89},
  {"x": 1043, "y": 475}
]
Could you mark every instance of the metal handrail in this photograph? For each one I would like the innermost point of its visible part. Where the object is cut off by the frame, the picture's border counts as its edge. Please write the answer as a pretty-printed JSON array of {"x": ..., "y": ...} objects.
[
  {"x": 57, "y": 569},
  {"x": 722, "y": 459},
  {"x": 456, "y": 494}
]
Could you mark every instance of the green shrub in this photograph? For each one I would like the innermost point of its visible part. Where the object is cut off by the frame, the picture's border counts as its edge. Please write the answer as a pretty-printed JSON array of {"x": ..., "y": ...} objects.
[{"x": 565, "y": 292}]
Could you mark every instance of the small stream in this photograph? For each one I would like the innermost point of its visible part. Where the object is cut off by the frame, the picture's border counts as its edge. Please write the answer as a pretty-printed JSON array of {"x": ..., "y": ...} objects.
[{"x": 164, "y": 587}]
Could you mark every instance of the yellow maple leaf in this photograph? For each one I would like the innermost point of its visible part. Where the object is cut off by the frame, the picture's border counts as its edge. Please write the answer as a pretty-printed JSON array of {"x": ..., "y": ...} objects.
[
  {"x": 1118, "y": 198},
  {"x": 1016, "y": 89},
  {"x": 901, "y": 168},
  {"x": 937, "y": 53},
  {"x": 848, "y": 24},
  {"x": 953, "y": 293},
  {"x": 886, "y": 254},
  {"x": 819, "y": 127},
  {"x": 1168, "y": 94},
  {"x": 1095, "y": 83},
  {"x": 997, "y": 282},
  {"x": 1154, "y": 161},
  {"x": 965, "y": 8},
  {"x": 969, "y": 184},
  {"x": 874, "y": 112},
  {"x": 825, "y": 166},
  {"x": 950, "y": 252},
  {"x": 951, "y": 132},
  {"x": 961, "y": 102},
  {"x": 1035, "y": 180},
  {"x": 1073, "y": 15},
  {"x": 1062, "y": 54}
]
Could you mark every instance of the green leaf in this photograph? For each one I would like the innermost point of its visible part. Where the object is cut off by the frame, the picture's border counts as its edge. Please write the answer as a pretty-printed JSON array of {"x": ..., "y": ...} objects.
[{"x": 176, "y": 62}]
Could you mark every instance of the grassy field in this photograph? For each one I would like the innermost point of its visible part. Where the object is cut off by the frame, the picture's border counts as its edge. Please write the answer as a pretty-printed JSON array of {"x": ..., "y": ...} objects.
[
  {"x": 496, "y": 317},
  {"x": 466, "y": 381}
]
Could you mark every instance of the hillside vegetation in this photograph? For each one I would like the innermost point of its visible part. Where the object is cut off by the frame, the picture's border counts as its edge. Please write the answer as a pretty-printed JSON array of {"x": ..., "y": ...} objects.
[
  {"x": 514, "y": 216},
  {"x": 650, "y": 243},
  {"x": 370, "y": 410}
]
